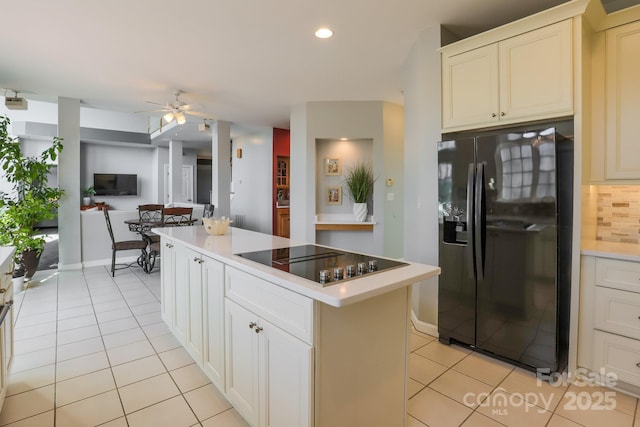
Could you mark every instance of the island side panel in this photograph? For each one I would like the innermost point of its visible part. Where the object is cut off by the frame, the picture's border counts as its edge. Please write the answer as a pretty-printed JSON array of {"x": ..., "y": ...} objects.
[{"x": 361, "y": 362}]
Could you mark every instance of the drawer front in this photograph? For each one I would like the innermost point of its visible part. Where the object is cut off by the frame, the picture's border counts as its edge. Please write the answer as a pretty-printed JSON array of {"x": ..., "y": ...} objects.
[
  {"x": 289, "y": 311},
  {"x": 617, "y": 274},
  {"x": 618, "y": 311},
  {"x": 617, "y": 354}
]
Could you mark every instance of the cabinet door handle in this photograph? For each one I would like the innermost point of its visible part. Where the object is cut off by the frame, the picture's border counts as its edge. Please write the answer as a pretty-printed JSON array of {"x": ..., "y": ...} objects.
[
  {"x": 502, "y": 113},
  {"x": 638, "y": 364},
  {"x": 252, "y": 325},
  {"x": 168, "y": 245},
  {"x": 258, "y": 329},
  {"x": 493, "y": 114}
]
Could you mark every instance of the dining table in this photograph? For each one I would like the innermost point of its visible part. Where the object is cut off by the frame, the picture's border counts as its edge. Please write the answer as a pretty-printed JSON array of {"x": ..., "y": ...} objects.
[{"x": 143, "y": 227}]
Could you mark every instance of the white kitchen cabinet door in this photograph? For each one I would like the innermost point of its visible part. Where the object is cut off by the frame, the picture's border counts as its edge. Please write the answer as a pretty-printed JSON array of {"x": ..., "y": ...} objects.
[
  {"x": 181, "y": 287},
  {"x": 195, "y": 336},
  {"x": 213, "y": 312},
  {"x": 536, "y": 73},
  {"x": 470, "y": 88},
  {"x": 623, "y": 102},
  {"x": 242, "y": 361},
  {"x": 285, "y": 379},
  {"x": 8, "y": 327},
  {"x": 522, "y": 78},
  {"x": 167, "y": 273},
  {"x": 268, "y": 371}
]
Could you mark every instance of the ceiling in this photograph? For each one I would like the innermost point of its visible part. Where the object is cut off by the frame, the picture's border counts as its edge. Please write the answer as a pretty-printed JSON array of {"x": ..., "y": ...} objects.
[{"x": 243, "y": 61}]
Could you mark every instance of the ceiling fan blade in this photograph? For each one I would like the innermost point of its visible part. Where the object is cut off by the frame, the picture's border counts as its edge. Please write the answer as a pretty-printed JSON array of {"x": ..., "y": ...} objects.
[
  {"x": 189, "y": 107},
  {"x": 199, "y": 114},
  {"x": 161, "y": 105},
  {"x": 151, "y": 111}
]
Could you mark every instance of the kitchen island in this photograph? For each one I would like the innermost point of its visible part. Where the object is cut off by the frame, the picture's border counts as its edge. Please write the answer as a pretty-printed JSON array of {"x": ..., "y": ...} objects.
[{"x": 285, "y": 350}]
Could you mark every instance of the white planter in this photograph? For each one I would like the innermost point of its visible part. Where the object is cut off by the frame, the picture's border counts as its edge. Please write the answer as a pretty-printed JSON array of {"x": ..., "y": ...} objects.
[
  {"x": 18, "y": 284},
  {"x": 86, "y": 201},
  {"x": 360, "y": 212}
]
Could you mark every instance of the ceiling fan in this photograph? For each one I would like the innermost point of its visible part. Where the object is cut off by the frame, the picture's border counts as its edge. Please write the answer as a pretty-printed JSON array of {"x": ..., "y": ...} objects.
[{"x": 176, "y": 110}]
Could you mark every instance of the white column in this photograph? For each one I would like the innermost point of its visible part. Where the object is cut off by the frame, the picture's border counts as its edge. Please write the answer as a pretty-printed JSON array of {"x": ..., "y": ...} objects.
[
  {"x": 175, "y": 172},
  {"x": 69, "y": 245},
  {"x": 221, "y": 168}
]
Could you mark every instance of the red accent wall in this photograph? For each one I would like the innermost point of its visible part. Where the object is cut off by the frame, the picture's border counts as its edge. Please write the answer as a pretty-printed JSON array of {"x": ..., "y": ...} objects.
[{"x": 281, "y": 147}]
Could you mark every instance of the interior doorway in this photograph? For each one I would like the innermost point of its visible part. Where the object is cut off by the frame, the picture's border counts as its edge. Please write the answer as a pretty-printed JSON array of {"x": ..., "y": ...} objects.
[{"x": 186, "y": 188}]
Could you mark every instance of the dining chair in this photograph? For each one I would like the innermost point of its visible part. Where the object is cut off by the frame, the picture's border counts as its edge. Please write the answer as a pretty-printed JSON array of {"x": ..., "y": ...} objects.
[
  {"x": 176, "y": 216},
  {"x": 124, "y": 245},
  {"x": 150, "y": 213},
  {"x": 207, "y": 211}
]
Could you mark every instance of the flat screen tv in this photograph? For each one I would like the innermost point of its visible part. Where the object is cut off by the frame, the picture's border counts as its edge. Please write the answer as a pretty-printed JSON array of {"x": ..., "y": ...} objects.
[{"x": 115, "y": 184}]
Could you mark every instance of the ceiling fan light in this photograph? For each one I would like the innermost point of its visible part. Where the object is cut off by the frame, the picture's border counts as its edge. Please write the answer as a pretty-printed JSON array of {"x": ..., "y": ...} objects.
[
  {"x": 180, "y": 118},
  {"x": 168, "y": 117}
]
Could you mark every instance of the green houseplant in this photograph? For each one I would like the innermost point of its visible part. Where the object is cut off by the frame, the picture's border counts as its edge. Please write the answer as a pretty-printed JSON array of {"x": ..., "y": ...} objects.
[
  {"x": 87, "y": 194},
  {"x": 359, "y": 179},
  {"x": 29, "y": 201}
]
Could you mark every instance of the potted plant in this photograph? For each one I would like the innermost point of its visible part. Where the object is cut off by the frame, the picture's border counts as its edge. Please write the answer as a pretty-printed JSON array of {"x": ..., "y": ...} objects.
[
  {"x": 359, "y": 179},
  {"x": 29, "y": 201},
  {"x": 87, "y": 194}
]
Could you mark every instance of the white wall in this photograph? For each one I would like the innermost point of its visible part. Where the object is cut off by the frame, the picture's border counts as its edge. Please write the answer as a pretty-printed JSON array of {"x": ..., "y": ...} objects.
[
  {"x": 100, "y": 158},
  {"x": 422, "y": 132},
  {"x": 47, "y": 112},
  {"x": 252, "y": 176},
  {"x": 352, "y": 120}
]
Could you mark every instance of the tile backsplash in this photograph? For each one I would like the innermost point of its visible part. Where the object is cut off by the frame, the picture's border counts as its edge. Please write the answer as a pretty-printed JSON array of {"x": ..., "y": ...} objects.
[{"x": 618, "y": 213}]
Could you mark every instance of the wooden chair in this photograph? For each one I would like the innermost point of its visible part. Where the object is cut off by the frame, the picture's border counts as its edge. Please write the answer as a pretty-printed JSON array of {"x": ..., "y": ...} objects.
[
  {"x": 124, "y": 245},
  {"x": 176, "y": 216}
]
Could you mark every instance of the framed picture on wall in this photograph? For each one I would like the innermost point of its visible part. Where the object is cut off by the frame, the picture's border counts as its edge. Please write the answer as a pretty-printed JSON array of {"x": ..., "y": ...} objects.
[
  {"x": 334, "y": 195},
  {"x": 332, "y": 166}
]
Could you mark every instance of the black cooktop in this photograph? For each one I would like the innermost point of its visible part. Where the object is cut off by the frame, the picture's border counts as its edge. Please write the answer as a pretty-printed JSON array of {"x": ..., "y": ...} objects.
[{"x": 325, "y": 266}]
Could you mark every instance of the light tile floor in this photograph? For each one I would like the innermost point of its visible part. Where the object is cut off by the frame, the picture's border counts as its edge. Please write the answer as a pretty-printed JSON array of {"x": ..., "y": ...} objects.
[{"x": 92, "y": 350}]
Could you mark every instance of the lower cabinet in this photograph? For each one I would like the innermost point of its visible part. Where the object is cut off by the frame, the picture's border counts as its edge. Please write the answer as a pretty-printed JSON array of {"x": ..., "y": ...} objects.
[
  {"x": 268, "y": 371},
  {"x": 6, "y": 329},
  {"x": 167, "y": 290},
  {"x": 192, "y": 306},
  {"x": 281, "y": 358},
  {"x": 609, "y": 337},
  {"x": 212, "y": 274}
]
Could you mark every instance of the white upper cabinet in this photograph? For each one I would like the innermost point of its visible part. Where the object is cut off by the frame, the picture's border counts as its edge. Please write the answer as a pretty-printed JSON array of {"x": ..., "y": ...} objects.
[
  {"x": 470, "y": 87},
  {"x": 521, "y": 78},
  {"x": 623, "y": 102}
]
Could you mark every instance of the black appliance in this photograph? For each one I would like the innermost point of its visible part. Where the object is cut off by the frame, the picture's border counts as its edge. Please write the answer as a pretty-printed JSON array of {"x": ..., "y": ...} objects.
[
  {"x": 505, "y": 223},
  {"x": 326, "y": 266},
  {"x": 115, "y": 184}
]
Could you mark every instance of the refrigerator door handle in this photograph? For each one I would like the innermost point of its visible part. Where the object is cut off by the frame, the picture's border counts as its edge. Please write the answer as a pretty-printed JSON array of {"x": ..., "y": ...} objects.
[
  {"x": 478, "y": 221},
  {"x": 470, "y": 220}
]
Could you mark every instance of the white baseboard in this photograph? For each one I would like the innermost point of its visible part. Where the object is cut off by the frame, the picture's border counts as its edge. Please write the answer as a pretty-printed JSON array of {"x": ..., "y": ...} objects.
[
  {"x": 77, "y": 266},
  {"x": 424, "y": 327}
]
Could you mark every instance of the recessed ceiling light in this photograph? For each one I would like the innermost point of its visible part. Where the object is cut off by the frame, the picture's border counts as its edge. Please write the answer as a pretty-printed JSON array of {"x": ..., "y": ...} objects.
[{"x": 323, "y": 33}]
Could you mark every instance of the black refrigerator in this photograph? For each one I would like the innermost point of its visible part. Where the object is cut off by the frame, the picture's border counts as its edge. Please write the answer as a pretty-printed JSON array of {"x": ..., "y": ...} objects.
[{"x": 505, "y": 200}]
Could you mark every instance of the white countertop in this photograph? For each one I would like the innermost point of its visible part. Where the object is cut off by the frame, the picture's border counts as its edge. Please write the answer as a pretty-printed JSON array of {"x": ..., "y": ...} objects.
[
  {"x": 238, "y": 240},
  {"x": 6, "y": 254},
  {"x": 622, "y": 251}
]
